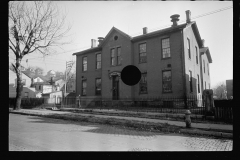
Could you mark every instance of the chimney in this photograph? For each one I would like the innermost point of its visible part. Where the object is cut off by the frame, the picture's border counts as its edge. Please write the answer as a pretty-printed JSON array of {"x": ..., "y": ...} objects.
[
  {"x": 175, "y": 19},
  {"x": 188, "y": 16},
  {"x": 93, "y": 43},
  {"x": 145, "y": 30},
  {"x": 203, "y": 41},
  {"x": 100, "y": 39}
]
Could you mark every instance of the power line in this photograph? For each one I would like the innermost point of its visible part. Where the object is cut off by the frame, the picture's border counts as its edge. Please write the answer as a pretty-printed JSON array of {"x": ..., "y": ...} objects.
[{"x": 198, "y": 16}]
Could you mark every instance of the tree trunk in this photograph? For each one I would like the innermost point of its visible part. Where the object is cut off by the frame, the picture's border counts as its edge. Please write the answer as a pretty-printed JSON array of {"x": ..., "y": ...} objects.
[{"x": 19, "y": 87}]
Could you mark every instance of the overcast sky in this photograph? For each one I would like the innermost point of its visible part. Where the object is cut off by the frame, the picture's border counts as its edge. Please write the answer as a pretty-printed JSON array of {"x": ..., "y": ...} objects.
[{"x": 90, "y": 20}]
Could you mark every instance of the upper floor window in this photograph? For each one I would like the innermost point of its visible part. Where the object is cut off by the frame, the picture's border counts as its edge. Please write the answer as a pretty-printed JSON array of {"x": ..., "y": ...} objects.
[
  {"x": 113, "y": 57},
  {"x": 167, "y": 81},
  {"x": 143, "y": 83},
  {"x": 84, "y": 86},
  {"x": 196, "y": 55},
  {"x": 98, "y": 86},
  {"x": 142, "y": 53},
  {"x": 119, "y": 56},
  {"x": 188, "y": 47},
  {"x": 98, "y": 61},
  {"x": 198, "y": 84},
  {"x": 84, "y": 63},
  {"x": 190, "y": 81},
  {"x": 165, "y": 48},
  {"x": 204, "y": 66}
]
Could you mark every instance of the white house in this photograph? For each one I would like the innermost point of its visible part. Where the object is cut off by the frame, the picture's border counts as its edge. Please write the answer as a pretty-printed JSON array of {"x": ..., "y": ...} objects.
[{"x": 27, "y": 90}]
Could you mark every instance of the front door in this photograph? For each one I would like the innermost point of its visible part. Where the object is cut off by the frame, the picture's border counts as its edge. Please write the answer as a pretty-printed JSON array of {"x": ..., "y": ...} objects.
[{"x": 115, "y": 87}]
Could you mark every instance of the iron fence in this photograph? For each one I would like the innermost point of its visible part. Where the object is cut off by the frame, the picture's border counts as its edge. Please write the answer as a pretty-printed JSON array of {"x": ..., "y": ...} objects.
[{"x": 149, "y": 104}]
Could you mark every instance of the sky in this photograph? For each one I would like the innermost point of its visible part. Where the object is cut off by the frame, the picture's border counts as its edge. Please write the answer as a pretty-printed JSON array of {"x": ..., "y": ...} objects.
[{"x": 90, "y": 20}]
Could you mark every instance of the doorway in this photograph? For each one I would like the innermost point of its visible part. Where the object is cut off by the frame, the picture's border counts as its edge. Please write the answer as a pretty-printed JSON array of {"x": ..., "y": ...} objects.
[{"x": 115, "y": 87}]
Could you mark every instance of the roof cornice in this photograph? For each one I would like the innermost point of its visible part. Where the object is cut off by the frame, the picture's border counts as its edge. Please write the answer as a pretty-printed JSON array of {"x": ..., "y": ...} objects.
[{"x": 88, "y": 51}]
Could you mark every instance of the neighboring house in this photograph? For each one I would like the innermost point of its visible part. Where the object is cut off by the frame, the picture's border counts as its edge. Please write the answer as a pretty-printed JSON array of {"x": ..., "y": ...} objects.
[
  {"x": 173, "y": 62},
  {"x": 53, "y": 97},
  {"x": 38, "y": 78},
  {"x": 43, "y": 87},
  {"x": 229, "y": 87},
  {"x": 27, "y": 92}
]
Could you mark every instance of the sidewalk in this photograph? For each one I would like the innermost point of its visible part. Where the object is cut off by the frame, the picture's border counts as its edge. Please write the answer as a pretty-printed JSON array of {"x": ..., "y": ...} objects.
[{"x": 219, "y": 130}]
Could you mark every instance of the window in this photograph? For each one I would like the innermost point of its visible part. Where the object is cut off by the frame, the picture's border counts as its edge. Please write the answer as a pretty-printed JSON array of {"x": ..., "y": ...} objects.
[
  {"x": 205, "y": 85},
  {"x": 196, "y": 55},
  {"x": 204, "y": 67},
  {"x": 26, "y": 95},
  {"x": 198, "y": 84},
  {"x": 190, "y": 81},
  {"x": 119, "y": 56},
  {"x": 39, "y": 87},
  {"x": 142, "y": 53},
  {"x": 84, "y": 63},
  {"x": 98, "y": 62},
  {"x": 167, "y": 81},
  {"x": 165, "y": 48},
  {"x": 84, "y": 86},
  {"x": 189, "y": 51},
  {"x": 143, "y": 84},
  {"x": 98, "y": 86},
  {"x": 113, "y": 57}
]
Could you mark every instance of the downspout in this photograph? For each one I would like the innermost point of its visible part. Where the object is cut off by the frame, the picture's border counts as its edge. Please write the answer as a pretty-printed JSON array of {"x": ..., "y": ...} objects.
[{"x": 183, "y": 70}]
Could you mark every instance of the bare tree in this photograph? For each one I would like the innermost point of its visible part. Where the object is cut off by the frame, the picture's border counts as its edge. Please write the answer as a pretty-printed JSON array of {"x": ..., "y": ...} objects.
[
  {"x": 220, "y": 90},
  {"x": 35, "y": 26}
]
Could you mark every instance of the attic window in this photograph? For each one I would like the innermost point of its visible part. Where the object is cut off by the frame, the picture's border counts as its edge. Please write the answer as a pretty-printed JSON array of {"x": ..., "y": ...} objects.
[{"x": 115, "y": 38}]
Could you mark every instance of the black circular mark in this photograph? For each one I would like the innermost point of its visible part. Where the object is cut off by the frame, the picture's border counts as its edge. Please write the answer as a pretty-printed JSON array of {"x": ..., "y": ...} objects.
[{"x": 130, "y": 75}]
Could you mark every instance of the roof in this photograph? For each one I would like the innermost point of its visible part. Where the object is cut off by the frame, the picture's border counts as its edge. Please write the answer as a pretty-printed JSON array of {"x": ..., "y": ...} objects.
[
  {"x": 40, "y": 76},
  {"x": 112, "y": 30},
  {"x": 206, "y": 50},
  {"x": 29, "y": 74},
  {"x": 88, "y": 50},
  {"x": 148, "y": 35},
  {"x": 162, "y": 31}
]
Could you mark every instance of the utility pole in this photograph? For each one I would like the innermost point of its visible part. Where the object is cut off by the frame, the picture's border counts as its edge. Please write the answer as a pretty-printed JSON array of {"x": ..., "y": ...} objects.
[{"x": 68, "y": 65}]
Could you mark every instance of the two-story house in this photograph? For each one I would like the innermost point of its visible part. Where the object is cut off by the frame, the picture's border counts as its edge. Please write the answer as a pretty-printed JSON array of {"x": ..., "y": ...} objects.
[
  {"x": 173, "y": 62},
  {"x": 27, "y": 92}
]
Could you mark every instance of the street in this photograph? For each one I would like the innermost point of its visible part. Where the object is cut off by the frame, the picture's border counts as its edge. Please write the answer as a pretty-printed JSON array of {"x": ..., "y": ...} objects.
[{"x": 32, "y": 133}]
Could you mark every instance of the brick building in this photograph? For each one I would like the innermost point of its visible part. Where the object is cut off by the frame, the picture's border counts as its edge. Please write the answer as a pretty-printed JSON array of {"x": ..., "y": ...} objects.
[{"x": 173, "y": 62}]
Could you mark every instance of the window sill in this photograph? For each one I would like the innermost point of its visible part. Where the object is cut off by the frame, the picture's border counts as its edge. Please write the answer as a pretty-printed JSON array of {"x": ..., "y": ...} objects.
[
  {"x": 142, "y": 62},
  {"x": 98, "y": 69},
  {"x": 166, "y": 58},
  {"x": 116, "y": 65}
]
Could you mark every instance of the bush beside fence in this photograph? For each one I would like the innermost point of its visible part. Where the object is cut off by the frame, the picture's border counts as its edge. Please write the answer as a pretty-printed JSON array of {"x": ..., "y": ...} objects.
[{"x": 27, "y": 103}]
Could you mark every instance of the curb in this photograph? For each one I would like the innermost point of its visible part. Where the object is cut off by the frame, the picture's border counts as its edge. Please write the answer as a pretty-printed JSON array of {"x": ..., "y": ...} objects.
[{"x": 192, "y": 131}]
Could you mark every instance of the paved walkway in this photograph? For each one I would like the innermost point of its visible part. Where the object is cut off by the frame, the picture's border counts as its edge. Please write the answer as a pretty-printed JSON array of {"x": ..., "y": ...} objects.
[{"x": 208, "y": 126}]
